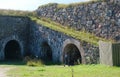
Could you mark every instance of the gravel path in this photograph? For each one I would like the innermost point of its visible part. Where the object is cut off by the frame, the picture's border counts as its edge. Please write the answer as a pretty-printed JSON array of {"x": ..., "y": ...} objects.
[{"x": 3, "y": 71}]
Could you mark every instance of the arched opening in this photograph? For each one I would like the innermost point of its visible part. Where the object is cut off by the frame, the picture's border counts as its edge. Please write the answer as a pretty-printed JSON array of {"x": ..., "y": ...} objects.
[
  {"x": 12, "y": 50},
  {"x": 71, "y": 55},
  {"x": 46, "y": 52}
]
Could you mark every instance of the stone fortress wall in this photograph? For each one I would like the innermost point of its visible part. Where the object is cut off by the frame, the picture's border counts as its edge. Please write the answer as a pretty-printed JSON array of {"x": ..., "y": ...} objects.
[
  {"x": 101, "y": 18},
  {"x": 33, "y": 39},
  {"x": 58, "y": 42},
  {"x": 13, "y": 28}
]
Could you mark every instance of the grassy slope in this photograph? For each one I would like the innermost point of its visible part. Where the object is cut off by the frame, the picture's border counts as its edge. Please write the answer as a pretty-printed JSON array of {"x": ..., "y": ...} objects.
[
  {"x": 16, "y": 13},
  {"x": 80, "y": 35},
  {"x": 61, "y": 71},
  {"x": 72, "y": 4}
]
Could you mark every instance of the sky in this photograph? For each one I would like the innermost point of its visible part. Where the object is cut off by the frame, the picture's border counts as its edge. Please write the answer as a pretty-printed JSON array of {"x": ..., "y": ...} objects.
[{"x": 31, "y": 5}]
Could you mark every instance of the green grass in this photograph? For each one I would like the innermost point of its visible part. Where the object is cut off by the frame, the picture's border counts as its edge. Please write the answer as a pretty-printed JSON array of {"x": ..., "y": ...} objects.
[
  {"x": 80, "y": 35},
  {"x": 75, "y": 4},
  {"x": 71, "y": 4},
  {"x": 16, "y": 13},
  {"x": 61, "y": 71}
]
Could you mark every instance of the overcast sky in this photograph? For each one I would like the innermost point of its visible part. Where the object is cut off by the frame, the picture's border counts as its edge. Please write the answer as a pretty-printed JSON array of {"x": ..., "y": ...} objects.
[{"x": 31, "y": 4}]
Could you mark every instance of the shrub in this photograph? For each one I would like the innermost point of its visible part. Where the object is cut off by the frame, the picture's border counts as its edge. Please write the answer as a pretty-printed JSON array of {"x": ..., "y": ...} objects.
[{"x": 33, "y": 62}]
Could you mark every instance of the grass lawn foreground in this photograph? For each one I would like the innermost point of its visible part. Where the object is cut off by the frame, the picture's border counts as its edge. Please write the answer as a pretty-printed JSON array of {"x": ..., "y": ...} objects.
[{"x": 61, "y": 71}]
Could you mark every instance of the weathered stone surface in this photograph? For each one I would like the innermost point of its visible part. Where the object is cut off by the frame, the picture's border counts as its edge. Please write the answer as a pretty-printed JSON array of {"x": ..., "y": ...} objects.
[
  {"x": 31, "y": 36},
  {"x": 14, "y": 28},
  {"x": 56, "y": 41},
  {"x": 100, "y": 18},
  {"x": 88, "y": 17}
]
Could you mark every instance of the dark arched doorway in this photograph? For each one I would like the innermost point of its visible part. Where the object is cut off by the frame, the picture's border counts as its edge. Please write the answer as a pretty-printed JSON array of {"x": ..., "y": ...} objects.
[
  {"x": 71, "y": 55},
  {"x": 46, "y": 52},
  {"x": 12, "y": 50}
]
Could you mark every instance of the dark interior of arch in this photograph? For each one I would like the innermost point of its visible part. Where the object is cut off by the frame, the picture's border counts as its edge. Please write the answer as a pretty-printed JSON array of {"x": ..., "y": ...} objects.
[
  {"x": 46, "y": 52},
  {"x": 72, "y": 55},
  {"x": 12, "y": 50}
]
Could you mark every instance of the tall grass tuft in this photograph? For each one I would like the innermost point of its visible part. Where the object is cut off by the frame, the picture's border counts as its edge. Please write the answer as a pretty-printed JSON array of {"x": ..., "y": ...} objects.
[{"x": 33, "y": 61}]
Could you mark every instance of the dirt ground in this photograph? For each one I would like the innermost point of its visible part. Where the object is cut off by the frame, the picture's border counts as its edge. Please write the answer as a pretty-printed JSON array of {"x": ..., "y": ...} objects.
[{"x": 3, "y": 71}]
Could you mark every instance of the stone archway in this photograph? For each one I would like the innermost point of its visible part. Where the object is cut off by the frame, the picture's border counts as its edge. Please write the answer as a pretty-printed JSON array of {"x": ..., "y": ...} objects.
[
  {"x": 72, "y": 52},
  {"x": 46, "y": 52},
  {"x": 12, "y": 50},
  {"x": 72, "y": 55}
]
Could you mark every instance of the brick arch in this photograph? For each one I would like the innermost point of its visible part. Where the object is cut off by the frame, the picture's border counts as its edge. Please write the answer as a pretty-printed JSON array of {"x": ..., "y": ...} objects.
[
  {"x": 75, "y": 43},
  {"x": 12, "y": 38}
]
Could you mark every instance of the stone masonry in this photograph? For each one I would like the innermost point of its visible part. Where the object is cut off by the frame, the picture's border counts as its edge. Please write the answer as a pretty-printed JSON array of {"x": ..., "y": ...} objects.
[
  {"x": 13, "y": 28},
  {"x": 101, "y": 18},
  {"x": 30, "y": 36},
  {"x": 56, "y": 40}
]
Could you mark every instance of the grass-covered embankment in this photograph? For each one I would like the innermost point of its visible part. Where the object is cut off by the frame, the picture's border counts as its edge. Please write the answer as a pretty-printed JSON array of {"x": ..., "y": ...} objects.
[
  {"x": 59, "y": 6},
  {"x": 80, "y": 35}
]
